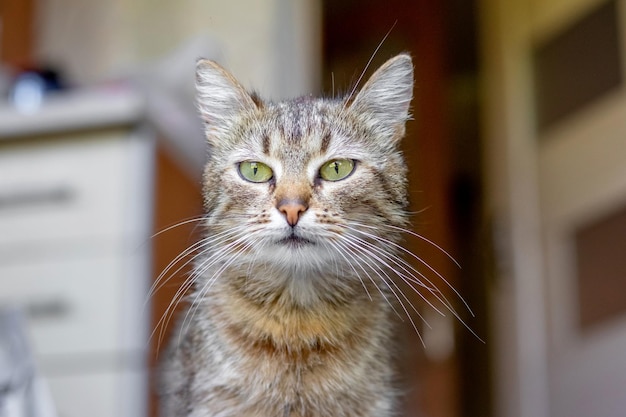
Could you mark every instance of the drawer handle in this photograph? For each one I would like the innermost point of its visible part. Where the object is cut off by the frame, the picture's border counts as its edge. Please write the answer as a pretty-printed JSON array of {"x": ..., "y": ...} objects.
[
  {"x": 23, "y": 198},
  {"x": 51, "y": 309}
]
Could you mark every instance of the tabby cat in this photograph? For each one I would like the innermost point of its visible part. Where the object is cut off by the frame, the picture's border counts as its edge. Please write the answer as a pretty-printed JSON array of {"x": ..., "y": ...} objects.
[{"x": 290, "y": 312}]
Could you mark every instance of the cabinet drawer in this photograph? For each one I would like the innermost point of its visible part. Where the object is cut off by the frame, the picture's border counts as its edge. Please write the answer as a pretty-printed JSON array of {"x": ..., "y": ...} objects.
[
  {"x": 75, "y": 306},
  {"x": 63, "y": 189},
  {"x": 104, "y": 394}
]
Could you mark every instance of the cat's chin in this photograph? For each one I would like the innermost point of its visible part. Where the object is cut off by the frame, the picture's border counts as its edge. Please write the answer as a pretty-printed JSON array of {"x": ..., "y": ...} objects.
[{"x": 296, "y": 252}]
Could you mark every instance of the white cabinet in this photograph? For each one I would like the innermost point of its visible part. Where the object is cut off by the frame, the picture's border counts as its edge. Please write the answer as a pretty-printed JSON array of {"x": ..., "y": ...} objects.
[
  {"x": 63, "y": 189},
  {"x": 84, "y": 185},
  {"x": 75, "y": 225},
  {"x": 104, "y": 393}
]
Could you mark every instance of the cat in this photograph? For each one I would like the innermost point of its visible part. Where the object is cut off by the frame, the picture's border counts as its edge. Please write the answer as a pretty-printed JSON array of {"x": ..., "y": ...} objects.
[{"x": 291, "y": 308}]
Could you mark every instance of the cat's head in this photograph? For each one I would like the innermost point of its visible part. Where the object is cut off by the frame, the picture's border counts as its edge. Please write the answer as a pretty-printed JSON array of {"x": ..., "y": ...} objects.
[{"x": 306, "y": 183}]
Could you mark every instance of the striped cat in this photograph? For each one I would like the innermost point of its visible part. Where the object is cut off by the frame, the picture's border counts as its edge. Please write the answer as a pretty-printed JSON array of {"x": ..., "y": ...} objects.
[{"x": 290, "y": 312}]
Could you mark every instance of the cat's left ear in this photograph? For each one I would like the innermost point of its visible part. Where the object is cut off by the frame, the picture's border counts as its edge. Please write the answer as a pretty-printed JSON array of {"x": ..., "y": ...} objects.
[
  {"x": 385, "y": 99},
  {"x": 220, "y": 97}
]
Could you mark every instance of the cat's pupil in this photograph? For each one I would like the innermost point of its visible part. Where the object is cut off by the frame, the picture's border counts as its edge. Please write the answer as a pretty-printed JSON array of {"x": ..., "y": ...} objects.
[
  {"x": 336, "y": 167},
  {"x": 255, "y": 169}
]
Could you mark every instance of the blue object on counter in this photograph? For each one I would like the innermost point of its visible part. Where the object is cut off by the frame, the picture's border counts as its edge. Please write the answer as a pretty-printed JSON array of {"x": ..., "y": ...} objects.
[{"x": 30, "y": 88}]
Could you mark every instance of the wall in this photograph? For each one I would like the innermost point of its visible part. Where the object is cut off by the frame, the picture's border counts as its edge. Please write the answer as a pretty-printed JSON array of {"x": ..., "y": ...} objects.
[{"x": 272, "y": 45}]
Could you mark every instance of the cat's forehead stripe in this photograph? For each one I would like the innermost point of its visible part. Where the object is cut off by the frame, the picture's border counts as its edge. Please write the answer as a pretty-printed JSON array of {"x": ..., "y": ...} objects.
[
  {"x": 325, "y": 142},
  {"x": 293, "y": 119},
  {"x": 300, "y": 127},
  {"x": 266, "y": 144},
  {"x": 298, "y": 119}
]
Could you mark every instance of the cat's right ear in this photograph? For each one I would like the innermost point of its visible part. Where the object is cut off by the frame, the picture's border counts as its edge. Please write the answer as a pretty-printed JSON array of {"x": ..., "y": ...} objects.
[
  {"x": 220, "y": 97},
  {"x": 385, "y": 99}
]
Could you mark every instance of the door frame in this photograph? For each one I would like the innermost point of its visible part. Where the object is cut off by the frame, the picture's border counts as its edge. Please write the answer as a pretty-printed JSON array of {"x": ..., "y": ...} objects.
[{"x": 521, "y": 385}]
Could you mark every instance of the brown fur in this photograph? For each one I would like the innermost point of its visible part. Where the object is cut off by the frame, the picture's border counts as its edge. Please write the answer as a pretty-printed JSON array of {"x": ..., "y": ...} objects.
[{"x": 294, "y": 321}]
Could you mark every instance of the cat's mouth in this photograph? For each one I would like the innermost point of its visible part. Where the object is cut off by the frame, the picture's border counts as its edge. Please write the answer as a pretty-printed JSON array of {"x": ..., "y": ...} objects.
[{"x": 295, "y": 241}]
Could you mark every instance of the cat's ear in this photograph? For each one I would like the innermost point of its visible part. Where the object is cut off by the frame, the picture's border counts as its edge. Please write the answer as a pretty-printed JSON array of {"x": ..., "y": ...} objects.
[
  {"x": 384, "y": 100},
  {"x": 220, "y": 97}
]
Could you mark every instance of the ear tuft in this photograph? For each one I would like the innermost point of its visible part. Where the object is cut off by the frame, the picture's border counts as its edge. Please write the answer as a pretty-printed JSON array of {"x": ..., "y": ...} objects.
[
  {"x": 385, "y": 99},
  {"x": 220, "y": 97}
]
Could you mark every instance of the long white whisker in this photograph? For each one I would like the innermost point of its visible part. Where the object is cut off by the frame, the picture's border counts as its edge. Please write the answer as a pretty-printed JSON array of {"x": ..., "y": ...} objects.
[
  {"x": 178, "y": 224},
  {"x": 409, "y": 280},
  {"x": 425, "y": 239},
  {"x": 369, "y": 62},
  {"x": 176, "y": 299},
  {"x": 402, "y": 264},
  {"x": 206, "y": 242},
  {"x": 347, "y": 247},
  {"x": 447, "y": 302},
  {"x": 209, "y": 283},
  {"x": 412, "y": 233},
  {"x": 336, "y": 246},
  {"x": 387, "y": 282},
  {"x": 189, "y": 281},
  {"x": 423, "y": 262}
]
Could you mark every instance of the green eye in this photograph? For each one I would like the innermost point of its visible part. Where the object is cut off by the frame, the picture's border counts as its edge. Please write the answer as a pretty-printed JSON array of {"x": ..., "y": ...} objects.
[
  {"x": 255, "y": 171},
  {"x": 337, "y": 169}
]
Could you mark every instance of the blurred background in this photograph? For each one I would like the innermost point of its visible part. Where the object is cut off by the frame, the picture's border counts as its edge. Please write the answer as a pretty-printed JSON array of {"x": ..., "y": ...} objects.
[{"x": 517, "y": 156}]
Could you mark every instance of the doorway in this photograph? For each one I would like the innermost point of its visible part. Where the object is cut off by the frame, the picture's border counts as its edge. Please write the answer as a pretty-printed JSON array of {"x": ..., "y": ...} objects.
[{"x": 449, "y": 375}]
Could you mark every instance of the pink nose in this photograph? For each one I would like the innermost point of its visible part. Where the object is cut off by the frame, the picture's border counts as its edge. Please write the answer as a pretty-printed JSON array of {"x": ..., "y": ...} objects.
[{"x": 292, "y": 209}]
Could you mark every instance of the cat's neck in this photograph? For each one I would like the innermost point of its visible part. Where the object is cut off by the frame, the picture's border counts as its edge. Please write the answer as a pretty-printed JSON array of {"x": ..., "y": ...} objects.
[
  {"x": 299, "y": 286},
  {"x": 282, "y": 318}
]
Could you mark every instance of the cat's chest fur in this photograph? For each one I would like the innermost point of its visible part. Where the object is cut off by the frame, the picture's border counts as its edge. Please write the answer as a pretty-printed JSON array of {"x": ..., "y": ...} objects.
[
  {"x": 290, "y": 313},
  {"x": 285, "y": 361}
]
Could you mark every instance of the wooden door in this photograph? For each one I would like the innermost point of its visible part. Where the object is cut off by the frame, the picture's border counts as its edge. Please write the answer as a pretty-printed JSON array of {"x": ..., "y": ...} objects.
[
  {"x": 16, "y": 32},
  {"x": 448, "y": 376}
]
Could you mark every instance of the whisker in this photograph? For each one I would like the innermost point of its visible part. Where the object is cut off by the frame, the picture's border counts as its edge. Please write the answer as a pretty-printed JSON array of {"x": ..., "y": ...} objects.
[
  {"x": 422, "y": 261},
  {"x": 190, "y": 280},
  {"x": 334, "y": 244},
  {"x": 401, "y": 263},
  {"x": 206, "y": 242},
  {"x": 369, "y": 62},
  {"x": 178, "y": 224},
  {"x": 409, "y": 280},
  {"x": 447, "y": 303},
  {"x": 417, "y": 235},
  {"x": 180, "y": 294},
  {"x": 354, "y": 256},
  {"x": 376, "y": 268},
  {"x": 209, "y": 283}
]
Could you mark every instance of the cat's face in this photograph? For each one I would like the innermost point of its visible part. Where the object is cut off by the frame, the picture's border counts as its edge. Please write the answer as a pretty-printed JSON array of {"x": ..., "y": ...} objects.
[{"x": 305, "y": 183}]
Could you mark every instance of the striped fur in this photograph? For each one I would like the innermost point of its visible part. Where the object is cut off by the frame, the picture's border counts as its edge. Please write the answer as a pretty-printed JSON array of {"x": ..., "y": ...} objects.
[{"x": 294, "y": 321}]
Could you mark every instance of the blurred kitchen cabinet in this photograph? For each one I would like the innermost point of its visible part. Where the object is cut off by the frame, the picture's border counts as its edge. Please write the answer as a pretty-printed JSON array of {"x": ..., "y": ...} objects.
[{"x": 79, "y": 182}]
